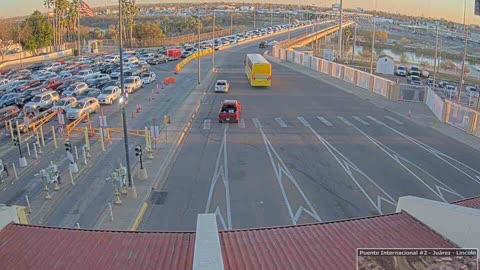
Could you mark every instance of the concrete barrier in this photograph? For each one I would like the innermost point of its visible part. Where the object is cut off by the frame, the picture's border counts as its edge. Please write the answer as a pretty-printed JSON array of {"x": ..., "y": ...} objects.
[{"x": 44, "y": 57}]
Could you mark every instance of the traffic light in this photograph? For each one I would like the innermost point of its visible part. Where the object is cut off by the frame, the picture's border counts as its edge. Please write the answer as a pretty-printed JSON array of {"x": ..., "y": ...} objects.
[
  {"x": 138, "y": 150},
  {"x": 68, "y": 146},
  {"x": 15, "y": 141}
]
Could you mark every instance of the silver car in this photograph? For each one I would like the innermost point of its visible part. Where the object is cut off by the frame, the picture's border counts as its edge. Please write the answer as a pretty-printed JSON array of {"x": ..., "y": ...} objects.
[{"x": 84, "y": 106}]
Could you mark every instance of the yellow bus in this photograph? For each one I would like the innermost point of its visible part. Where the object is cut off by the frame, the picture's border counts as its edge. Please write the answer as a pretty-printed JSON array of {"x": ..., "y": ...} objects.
[{"x": 258, "y": 70}]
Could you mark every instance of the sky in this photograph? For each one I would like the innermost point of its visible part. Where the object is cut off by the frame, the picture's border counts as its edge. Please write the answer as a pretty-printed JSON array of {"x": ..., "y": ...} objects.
[{"x": 448, "y": 9}]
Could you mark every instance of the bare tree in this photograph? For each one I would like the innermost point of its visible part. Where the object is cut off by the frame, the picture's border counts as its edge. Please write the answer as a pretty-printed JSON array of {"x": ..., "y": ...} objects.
[{"x": 7, "y": 37}]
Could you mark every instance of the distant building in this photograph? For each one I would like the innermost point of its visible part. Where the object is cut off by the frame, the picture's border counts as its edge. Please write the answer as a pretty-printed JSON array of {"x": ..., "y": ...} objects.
[{"x": 359, "y": 10}]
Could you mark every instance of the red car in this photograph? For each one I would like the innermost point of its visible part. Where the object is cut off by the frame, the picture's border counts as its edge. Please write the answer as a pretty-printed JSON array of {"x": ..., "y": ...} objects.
[{"x": 230, "y": 111}]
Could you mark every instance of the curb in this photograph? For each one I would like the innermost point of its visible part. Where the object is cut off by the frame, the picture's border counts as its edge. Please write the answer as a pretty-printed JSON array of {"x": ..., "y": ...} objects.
[{"x": 139, "y": 217}]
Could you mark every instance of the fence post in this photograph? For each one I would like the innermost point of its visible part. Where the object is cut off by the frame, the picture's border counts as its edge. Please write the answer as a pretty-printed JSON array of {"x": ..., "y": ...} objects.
[
  {"x": 473, "y": 123},
  {"x": 372, "y": 83},
  {"x": 446, "y": 115},
  {"x": 342, "y": 72}
]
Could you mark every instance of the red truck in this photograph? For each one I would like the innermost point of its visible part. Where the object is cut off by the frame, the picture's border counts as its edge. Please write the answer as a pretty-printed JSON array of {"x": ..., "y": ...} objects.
[
  {"x": 174, "y": 54},
  {"x": 230, "y": 111}
]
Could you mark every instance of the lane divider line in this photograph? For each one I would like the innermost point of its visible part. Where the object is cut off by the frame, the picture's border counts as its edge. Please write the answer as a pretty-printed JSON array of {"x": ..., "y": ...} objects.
[
  {"x": 304, "y": 122},
  {"x": 393, "y": 119},
  {"x": 348, "y": 123},
  {"x": 280, "y": 122},
  {"x": 360, "y": 120},
  {"x": 325, "y": 121}
]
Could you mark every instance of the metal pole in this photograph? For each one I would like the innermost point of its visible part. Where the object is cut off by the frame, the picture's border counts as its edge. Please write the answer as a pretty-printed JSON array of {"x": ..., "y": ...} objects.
[
  {"x": 231, "y": 23},
  {"x": 289, "y": 28},
  {"x": 373, "y": 47},
  {"x": 340, "y": 32},
  {"x": 198, "y": 58},
  {"x": 254, "y": 20},
  {"x": 354, "y": 42},
  {"x": 124, "y": 94},
  {"x": 436, "y": 55},
  {"x": 213, "y": 42},
  {"x": 78, "y": 31},
  {"x": 460, "y": 84}
]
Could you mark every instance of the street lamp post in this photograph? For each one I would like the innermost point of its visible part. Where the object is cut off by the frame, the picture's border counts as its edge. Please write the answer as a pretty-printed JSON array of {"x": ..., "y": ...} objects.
[
  {"x": 254, "y": 19},
  {"x": 354, "y": 42},
  {"x": 124, "y": 101},
  {"x": 436, "y": 56},
  {"x": 213, "y": 42},
  {"x": 373, "y": 46}
]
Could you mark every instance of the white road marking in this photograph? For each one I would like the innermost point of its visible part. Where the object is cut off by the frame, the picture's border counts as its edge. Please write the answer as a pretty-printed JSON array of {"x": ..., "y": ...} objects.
[
  {"x": 256, "y": 123},
  {"x": 206, "y": 123},
  {"x": 304, "y": 122},
  {"x": 280, "y": 122},
  {"x": 361, "y": 120},
  {"x": 444, "y": 157},
  {"x": 221, "y": 170},
  {"x": 349, "y": 167},
  {"x": 436, "y": 187},
  {"x": 241, "y": 123},
  {"x": 280, "y": 170},
  {"x": 393, "y": 119},
  {"x": 345, "y": 121},
  {"x": 325, "y": 121},
  {"x": 375, "y": 120}
]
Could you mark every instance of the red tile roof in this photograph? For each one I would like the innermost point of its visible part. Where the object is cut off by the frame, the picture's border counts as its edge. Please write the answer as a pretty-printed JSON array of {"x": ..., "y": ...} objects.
[
  {"x": 473, "y": 202},
  {"x": 49, "y": 248},
  {"x": 330, "y": 245}
]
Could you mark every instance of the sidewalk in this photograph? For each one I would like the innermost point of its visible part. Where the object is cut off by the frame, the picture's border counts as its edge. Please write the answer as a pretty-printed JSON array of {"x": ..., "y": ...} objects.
[{"x": 420, "y": 113}]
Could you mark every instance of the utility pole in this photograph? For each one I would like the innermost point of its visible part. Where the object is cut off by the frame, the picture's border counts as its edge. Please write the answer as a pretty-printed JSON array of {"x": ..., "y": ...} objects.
[
  {"x": 271, "y": 15},
  {"x": 254, "y": 19},
  {"x": 289, "y": 27},
  {"x": 354, "y": 42},
  {"x": 124, "y": 103},
  {"x": 462, "y": 75},
  {"x": 213, "y": 43},
  {"x": 340, "y": 32},
  {"x": 436, "y": 55},
  {"x": 373, "y": 46},
  {"x": 231, "y": 23}
]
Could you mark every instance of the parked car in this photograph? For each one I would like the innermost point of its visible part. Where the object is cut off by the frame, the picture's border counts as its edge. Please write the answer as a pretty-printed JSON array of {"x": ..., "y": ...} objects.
[
  {"x": 414, "y": 70},
  {"x": 96, "y": 79},
  {"x": 84, "y": 74},
  {"x": 414, "y": 79},
  {"x": 25, "y": 96},
  {"x": 263, "y": 45},
  {"x": 112, "y": 58},
  {"x": 230, "y": 111},
  {"x": 157, "y": 60},
  {"x": 401, "y": 71},
  {"x": 132, "y": 83},
  {"x": 84, "y": 106},
  {"x": 222, "y": 86},
  {"x": 75, "y": 89},
  {"x": 425, "y": 73},
  {"x": 64, "y": 104},
  {"x": 8, "y": 100},
  {"x": 43, "y": 101},
  {"x": 8, "y": 113},
  {"x": 148, "y": 77},
  {"x": 109, "y": 95}
]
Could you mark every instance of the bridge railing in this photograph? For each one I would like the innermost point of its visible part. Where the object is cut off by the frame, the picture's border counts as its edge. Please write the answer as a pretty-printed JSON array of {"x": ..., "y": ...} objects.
[{"x": 373, "y": 83}]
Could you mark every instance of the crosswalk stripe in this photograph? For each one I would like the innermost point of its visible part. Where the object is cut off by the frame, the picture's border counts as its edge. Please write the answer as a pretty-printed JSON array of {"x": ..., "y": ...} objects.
[
  {"x": 304, "y": 122},
  {"x": 280, "y": 122},
  {"x": 345, "y": 121},
  {"x": 256, "y": 123},
  {"x": 375, "y": 120},
  {"x": 361, "y": 120},
  {"x": 241, "y": 123},
  {"x": 325, "y": 121},
  {"x": 393, "y": 119},
  {"x": 206, "y": 124}
]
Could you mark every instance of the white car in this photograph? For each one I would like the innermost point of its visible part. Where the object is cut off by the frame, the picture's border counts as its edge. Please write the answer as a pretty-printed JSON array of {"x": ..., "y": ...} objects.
[
  {"x": 112, "y": 59},
  {"x": 222, "y": 86},
  {"x": 84, "y": 106},
  {"x": 75, "y": 89},
  {"x": 64, "y": 104},
  {"x": 109, "y": 95},
  {"x": 84, "y": 74},
  {"x": 148, "y": 77},
  {"x": 272, "y": 43},
  {"x": 53, "y": 66},
  {"x": 132, "y": 83},
  {"x": 97, "y": 76},
  {"x": 425, "y": 73},
  {"x": 4, "y": 81},
  {"x": 130, "y": 60}
]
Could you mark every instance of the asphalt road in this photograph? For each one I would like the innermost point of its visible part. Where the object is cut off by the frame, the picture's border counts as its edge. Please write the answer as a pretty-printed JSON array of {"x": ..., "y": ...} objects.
[
  {"x": 85, "y": 202},
  {"x": 304, "y": 151}
]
